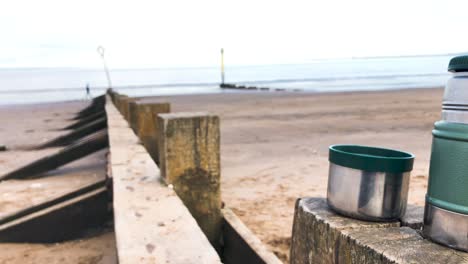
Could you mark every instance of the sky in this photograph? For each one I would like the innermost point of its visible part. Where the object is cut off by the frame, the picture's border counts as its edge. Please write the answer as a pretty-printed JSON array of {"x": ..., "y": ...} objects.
[{"x": 174, "y": 33}]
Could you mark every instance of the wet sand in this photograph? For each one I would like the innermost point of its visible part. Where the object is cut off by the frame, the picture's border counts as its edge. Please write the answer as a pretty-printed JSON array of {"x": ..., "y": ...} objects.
[{"x": 274, "y": 146}]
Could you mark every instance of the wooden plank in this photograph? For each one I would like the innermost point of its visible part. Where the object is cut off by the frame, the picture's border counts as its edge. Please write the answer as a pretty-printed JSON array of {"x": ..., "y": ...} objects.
[
  {"x": 86, "y": 120},
  {"x": 151, "y": 223},
  {"x": 35, "y": 208},
  {"x": 73, "y": 152},
  {"x": 96, "y": 105},
  {"x": 241, "y": 245},
  {"x": 63, "y": 221},
  {"x": 77, "y": 134}
]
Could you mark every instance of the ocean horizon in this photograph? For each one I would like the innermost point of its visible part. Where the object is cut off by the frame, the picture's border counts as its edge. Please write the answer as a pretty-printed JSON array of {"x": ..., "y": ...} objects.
[{"x": 36, "y": 85}]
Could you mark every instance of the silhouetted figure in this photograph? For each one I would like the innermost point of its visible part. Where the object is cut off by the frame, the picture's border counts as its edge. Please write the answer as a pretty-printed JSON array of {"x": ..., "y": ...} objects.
[{"x": 88, "y": 92}]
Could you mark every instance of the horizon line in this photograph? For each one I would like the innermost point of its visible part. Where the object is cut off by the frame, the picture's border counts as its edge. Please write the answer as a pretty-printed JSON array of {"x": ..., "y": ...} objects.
[{"x": 234, "y": 65}]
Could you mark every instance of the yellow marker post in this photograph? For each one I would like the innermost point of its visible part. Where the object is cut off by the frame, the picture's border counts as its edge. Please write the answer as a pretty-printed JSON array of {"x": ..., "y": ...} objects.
[{"x": 222, "y": 66}]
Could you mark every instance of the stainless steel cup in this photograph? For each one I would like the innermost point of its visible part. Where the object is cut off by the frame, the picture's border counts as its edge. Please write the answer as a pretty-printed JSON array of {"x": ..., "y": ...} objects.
[{"x": 368, "y": 183}]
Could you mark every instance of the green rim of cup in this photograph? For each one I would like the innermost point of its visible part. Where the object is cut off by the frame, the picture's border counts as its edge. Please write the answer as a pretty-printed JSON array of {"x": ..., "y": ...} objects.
[{"x": 371, "y": 158}]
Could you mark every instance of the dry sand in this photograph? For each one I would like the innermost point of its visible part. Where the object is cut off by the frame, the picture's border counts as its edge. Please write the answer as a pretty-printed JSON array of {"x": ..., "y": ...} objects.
[
  {"x": 96, "y": 249},
  {"x": 274, "y": 146}
]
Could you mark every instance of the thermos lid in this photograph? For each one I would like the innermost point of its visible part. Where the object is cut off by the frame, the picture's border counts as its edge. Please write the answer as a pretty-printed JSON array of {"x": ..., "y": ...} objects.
[
  {"x": 458, "y": 64},
  {"x": 371, "y": 158}
]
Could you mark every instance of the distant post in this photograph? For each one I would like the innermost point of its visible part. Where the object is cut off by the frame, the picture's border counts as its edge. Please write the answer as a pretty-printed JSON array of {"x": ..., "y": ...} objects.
[
  {"x": 189, "y": 149},
  {"x": 101, "y": 50},
  {"x": 222, "y": 66}
]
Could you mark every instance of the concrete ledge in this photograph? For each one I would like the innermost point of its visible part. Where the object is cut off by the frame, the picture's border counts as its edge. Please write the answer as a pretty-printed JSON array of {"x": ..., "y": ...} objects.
[
  {"x": 321, "y": 236},
  {"x": 152, "y": 225}
]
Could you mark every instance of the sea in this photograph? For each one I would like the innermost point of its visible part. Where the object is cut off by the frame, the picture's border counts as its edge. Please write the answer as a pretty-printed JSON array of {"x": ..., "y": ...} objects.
[{"x": 37, "y": 85}]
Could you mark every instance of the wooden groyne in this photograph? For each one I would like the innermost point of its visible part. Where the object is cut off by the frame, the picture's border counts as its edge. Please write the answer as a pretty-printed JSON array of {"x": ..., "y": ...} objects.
[
  {"x": 61, "y": 216},
  {"x": 152, "y": 225},
  {"x": 187, "y": 149},
  {"x": 167, "y": 213},
  {"x": 233, "y": 86}
]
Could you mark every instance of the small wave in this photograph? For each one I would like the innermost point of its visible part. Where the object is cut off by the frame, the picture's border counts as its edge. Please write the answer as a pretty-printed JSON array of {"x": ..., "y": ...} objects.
[{"x": 211, "y": 84}]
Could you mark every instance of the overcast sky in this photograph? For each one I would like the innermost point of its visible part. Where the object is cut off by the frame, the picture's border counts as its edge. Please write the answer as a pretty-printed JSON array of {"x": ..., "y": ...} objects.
[{"x": 157, "y": 33}]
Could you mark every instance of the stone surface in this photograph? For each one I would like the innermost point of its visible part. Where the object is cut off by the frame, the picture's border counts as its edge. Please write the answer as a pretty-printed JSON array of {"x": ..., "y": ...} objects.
[
  {"x": 189, "y": 149},
  {"x": 152, "y": 225},
  {"x": 414, "y": 217},
  {"x": 322, "y": 236}
]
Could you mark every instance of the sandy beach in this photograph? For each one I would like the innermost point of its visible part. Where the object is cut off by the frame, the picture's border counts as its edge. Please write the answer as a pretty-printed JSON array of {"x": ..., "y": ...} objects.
[
  {"x": 26, "y": 126},
  {"x": 274, "y": 146}
]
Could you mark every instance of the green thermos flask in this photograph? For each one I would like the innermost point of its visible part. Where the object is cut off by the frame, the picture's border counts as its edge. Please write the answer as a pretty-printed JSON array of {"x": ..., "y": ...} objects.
[{"x": 446, "y": 210}]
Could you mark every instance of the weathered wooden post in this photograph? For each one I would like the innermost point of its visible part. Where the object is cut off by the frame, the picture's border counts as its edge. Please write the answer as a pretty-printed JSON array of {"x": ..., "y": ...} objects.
[
  {"x": 112, "y": 94},
  {"x": 144, "y": 119},
  {"x": 126, "y": 107},
  {"x": 119, "y": 101},
  {"x": 133, "y": 116},
  {"x": 189, "y": 156}
]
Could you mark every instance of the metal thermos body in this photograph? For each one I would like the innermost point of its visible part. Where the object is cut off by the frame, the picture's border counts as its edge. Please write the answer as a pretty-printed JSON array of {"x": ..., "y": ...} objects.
[{"x": 446, "y": 210}]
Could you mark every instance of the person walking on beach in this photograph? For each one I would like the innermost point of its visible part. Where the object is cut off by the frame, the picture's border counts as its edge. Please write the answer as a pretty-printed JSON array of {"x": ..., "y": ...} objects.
[{"x": 88, "y": 92}]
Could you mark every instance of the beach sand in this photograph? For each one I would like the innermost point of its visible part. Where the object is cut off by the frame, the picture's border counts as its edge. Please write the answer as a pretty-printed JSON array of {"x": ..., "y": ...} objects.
[
  {"x": 274, "y": 146},
  {"x": 26, "y": 126}
]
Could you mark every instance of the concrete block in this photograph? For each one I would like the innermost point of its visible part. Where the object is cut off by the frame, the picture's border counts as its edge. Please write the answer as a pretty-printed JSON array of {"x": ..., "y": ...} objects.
[
  {"x": 322, "y": 236},
  {"x": 189, "y": 149}
]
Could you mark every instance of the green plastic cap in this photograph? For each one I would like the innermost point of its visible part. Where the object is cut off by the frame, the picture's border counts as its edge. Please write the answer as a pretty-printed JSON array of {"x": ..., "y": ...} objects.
[
  {"x": 371, "y": 158},
  {"x": 458, "y": 64}
]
